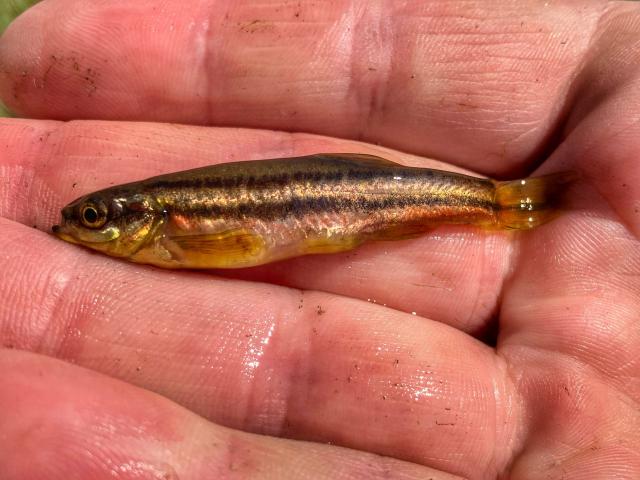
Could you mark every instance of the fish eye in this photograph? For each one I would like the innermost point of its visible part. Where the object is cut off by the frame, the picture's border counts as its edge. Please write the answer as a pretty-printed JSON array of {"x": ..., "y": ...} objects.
[{"x": 91, "y": 216}]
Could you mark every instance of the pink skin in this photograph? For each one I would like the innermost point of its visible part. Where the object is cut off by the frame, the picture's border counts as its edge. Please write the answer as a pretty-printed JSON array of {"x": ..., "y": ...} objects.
[{"x": 294, "y": 350}]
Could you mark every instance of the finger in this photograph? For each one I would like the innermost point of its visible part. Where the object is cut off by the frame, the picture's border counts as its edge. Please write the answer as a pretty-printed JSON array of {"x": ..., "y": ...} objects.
[
  {"x": 571, "y": 338},
  {"x": 260, "y": 357},
  {"x": 481, "y": 84},
  {"x": 574, "y": 329},
  {"x": 595, "y": 269},
  {"x": 70, "y": 423},
  {"x": 452, "y": 275}
]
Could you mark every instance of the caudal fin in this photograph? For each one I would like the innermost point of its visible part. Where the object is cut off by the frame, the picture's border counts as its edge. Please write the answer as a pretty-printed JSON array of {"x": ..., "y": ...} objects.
[{"x": 527, "y": 203}]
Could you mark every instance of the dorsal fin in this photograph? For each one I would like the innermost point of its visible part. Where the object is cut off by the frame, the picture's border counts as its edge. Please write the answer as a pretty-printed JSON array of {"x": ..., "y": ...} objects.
[{"x": 361, "y": 158}]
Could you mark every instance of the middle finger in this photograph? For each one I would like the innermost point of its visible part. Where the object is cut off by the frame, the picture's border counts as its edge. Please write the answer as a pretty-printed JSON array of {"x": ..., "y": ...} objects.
[{"x": 477, "y": 83}]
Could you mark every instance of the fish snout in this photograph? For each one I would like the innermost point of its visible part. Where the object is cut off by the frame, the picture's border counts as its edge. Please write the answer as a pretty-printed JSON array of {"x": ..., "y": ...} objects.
[
  {"x": 67, "y": 212},
  {"x": 62, "y": 230}
]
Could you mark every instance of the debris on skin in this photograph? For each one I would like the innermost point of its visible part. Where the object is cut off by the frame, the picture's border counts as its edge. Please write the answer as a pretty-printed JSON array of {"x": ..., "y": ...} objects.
[
  {"x": 301, "y": 304},
  {"x": 256, "y": 26},
  {"x": 320, "y": 310},
  {"x": 65, "y": 68},
  {"x": 89, "y": 75}
]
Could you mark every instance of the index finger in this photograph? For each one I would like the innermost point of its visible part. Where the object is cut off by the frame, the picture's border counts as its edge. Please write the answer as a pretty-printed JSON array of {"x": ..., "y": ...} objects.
[{"x": 479, "y": 84}]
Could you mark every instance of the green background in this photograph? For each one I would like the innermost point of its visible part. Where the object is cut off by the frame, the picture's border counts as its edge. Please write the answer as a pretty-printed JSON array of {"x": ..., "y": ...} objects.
[{"x": 10, "y": 9}]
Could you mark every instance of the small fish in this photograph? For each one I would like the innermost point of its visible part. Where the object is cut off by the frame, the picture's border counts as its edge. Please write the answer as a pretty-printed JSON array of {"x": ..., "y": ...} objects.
[{"x": 250, "y": 213}]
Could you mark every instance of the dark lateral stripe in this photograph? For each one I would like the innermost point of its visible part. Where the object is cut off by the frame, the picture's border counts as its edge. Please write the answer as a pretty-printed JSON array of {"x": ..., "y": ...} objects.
[
  {"x": 272, "y": 210},
  {"x": 224, "y": 182},
  {"x": 287, "y": 178}
]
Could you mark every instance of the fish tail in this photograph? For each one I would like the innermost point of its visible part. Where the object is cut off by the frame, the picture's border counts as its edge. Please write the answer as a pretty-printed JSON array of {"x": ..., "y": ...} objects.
[{"x": 527, "y": 203}]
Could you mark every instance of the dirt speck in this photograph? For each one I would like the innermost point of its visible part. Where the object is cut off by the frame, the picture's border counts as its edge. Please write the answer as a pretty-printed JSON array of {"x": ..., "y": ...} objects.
[
  {"x": 301, "y": 302},
  {"x": 256, "y": 26}
]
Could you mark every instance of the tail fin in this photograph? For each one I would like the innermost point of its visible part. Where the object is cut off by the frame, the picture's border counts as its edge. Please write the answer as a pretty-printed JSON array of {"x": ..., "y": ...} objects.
[{"x": 530, "y": 202}]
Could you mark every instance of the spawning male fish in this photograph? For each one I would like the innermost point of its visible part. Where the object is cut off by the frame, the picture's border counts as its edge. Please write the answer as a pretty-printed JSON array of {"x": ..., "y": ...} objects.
[{"x": 243, "y": 214}]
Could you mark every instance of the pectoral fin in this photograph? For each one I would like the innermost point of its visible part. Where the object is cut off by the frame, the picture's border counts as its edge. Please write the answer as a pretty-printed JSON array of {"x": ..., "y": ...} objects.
[{"x": 228, "y": 249}]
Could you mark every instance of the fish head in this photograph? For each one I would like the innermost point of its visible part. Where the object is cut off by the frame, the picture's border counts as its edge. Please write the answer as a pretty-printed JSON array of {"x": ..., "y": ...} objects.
[{"x": 111, "y": 221}]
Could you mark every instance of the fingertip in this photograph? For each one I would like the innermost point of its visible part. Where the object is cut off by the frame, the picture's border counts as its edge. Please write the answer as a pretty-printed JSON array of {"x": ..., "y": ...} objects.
[
  {"x": 68, "y": 422},
  {"x": 20, "y": 47},
  {"x": 49, "y": 61}
]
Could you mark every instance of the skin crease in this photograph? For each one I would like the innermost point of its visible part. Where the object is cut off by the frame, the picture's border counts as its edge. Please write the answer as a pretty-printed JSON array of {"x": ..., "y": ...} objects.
[{"x": 171, "y": 374}]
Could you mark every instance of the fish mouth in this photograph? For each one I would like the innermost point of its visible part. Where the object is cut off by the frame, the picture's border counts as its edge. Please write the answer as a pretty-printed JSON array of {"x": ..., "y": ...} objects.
[
  {"x": 70, "y": 233},
  {"x": 62, "y": 233}
]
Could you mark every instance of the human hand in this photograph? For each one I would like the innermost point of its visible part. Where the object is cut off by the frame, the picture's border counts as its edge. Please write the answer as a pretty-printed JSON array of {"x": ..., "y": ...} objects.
[{"x": 171, "y": 374}]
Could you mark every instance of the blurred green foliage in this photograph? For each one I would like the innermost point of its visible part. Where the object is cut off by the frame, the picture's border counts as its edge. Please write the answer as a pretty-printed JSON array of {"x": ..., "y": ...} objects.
[{"x": 10, "y": 9}]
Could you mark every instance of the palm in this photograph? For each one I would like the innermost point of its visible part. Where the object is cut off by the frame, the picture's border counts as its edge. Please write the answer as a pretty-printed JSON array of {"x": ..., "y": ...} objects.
[{"x": 324, "y": 348}]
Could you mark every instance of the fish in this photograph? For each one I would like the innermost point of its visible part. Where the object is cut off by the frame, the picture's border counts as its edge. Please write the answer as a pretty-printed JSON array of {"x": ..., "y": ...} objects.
[{"x": 249, "y": 213}]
